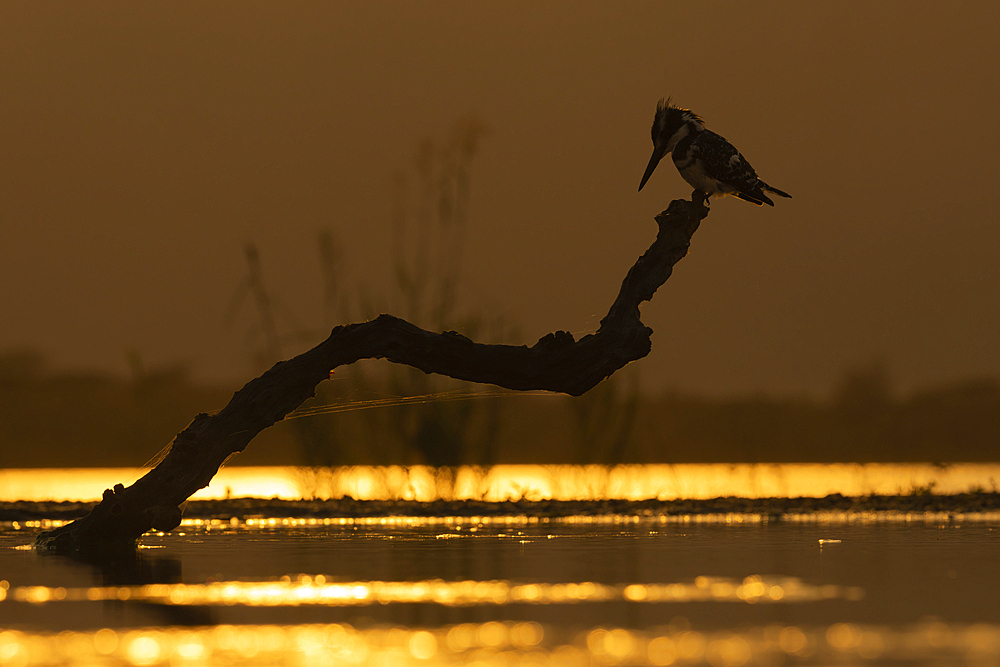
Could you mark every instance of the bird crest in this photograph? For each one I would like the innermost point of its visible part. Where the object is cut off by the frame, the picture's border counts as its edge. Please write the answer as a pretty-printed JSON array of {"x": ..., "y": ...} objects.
[{"x": 672, "y": 117}]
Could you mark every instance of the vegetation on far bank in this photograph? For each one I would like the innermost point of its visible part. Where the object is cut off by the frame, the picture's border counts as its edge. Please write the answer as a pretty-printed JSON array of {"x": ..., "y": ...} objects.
[{"x": 72, "y": 420}]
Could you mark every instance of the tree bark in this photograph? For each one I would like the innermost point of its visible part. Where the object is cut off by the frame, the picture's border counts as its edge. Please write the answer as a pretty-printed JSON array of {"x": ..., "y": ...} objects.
[{"x": 555, "y": 363}]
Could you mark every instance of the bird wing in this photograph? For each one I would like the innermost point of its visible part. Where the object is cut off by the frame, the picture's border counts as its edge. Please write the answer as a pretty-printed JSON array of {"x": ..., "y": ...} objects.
[{"x": 727, "y": 165}]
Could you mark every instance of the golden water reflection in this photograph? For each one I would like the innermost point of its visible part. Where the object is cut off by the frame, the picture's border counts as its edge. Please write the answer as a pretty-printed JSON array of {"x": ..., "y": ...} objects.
[
  {"x": 530, "y": 482},
  {"x": 472, "y": 525},
  {"x": 506, "y": 643},
  {"x": 321, "y": 590}
]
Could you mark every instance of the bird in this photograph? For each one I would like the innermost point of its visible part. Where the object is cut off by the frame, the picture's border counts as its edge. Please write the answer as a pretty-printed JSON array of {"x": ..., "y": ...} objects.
[{"x": 705, "y": 159}]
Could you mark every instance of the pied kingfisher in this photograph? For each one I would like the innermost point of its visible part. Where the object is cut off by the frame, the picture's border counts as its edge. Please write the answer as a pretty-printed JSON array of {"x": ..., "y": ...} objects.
[{"x": 706, "y": 160}]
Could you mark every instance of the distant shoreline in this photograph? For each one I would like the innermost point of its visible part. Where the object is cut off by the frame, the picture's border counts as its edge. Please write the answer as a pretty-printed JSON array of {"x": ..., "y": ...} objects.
[{"x": 867, "y": 508}]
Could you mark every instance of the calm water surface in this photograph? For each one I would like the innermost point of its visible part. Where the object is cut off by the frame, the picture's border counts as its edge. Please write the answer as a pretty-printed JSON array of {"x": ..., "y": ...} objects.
[
  {"x": 617, "y": 591},
  {"x": 530, "y": 482}
]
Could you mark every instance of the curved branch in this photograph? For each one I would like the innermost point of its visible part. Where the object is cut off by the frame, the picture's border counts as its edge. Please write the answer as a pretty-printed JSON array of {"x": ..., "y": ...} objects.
[{"x": 557, "y": 362}]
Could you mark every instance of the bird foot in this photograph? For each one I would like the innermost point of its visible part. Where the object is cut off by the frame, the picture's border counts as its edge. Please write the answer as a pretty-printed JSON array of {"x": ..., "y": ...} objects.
[{"x": 699, "y": 197}]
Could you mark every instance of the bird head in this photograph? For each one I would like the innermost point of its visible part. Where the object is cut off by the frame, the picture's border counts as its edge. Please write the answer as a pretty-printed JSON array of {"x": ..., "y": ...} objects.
[{"x": 670, "y": 125}]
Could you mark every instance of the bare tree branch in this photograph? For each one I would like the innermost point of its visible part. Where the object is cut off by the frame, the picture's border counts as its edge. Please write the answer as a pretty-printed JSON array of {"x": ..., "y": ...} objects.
[{"x": 556, "y": 363}]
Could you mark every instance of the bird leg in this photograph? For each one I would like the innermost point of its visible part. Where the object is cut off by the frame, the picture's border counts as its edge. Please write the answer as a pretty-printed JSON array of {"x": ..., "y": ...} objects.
[{"x": 699, "y": 197}]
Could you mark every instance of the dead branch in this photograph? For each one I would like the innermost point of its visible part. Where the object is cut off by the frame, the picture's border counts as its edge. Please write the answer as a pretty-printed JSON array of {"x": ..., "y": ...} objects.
[{"x": 555, "y": 363}]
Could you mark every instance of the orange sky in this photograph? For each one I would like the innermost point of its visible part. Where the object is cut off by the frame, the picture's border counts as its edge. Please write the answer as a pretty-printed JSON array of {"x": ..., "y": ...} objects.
[{"x": 142, "y": 144}]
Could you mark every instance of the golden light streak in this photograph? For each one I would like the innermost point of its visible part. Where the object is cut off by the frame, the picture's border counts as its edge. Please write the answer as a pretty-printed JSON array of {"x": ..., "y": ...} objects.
[
  {"x": 318, "y": 590},
  {"x": 474, "y": 525},
  {"x": 529, "y": 482},
  {"x": 506, "y": 643}
]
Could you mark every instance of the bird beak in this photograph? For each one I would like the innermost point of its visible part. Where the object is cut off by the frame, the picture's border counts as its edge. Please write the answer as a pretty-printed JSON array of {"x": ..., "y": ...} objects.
[{"x": 658, "y": 153}]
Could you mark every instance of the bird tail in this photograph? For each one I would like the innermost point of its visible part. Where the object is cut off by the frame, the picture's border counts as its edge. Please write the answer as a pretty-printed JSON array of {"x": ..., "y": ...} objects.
[
  {"x": 758, "y": 198},
  {"x": 776, "y": 191}
]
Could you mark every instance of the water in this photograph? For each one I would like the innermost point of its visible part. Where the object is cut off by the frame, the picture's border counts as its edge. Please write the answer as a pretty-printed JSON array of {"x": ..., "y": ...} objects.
[
  {"x": 622, "y": 590},
  {"x": 531, "y": 482}
]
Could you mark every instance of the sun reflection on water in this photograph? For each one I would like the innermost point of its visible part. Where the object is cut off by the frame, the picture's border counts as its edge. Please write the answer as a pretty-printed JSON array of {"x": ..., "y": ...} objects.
[
  {"x": 320, "y": 590},
  {"x": 475, "y": 523},
  {"x": 528, "y": 482},
  {"x": 505, "y": 643}
]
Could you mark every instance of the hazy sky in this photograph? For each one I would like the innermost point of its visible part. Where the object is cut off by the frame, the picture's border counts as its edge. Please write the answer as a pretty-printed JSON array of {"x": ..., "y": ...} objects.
[{"x": 143, "y": 144}]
